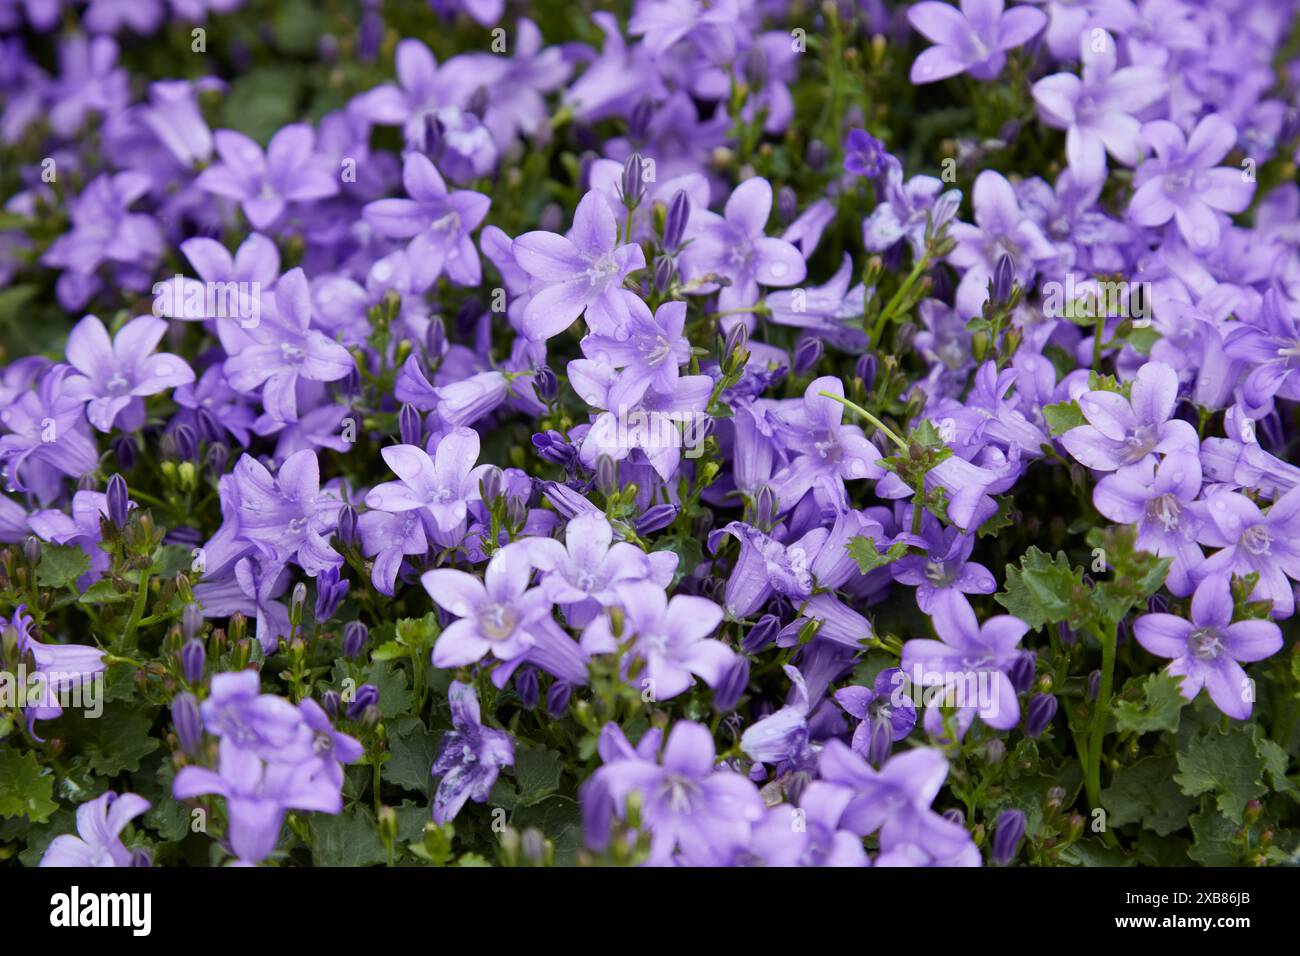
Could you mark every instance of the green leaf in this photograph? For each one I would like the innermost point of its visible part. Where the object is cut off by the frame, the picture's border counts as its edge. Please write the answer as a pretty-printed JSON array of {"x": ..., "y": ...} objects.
[
  {"x": 412, "y": 750},
  {"x": 25, "y": 790},
  {"x": 560, "y": 820},
  {"x": 113, "y": 741},
  {"x": 1214, "y": 834},
  {"x": 104, "y": 591},
  {"x": 349, "y": 839},
  {"x": 1045, "y": 590},
  {"x": 1063, "y": 416},
  {"x": 390, "y": 681},
  {"x": 862, "y": 550},
  {"x": 61, "y": 566},
  {"x": 537, "y": 773},
  {"x": 1275, "y": 762},
  {"x": 1159, "y": 708},
  {"x": 1226, "y": 765},
  {"x": 1146, "y": 793}
]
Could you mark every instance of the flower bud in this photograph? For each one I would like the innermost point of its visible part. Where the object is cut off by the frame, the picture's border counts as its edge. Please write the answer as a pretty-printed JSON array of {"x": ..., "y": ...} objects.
[
  {"x": 1021, "y": 673},
  {"x": 355, "y": 635},
  {"x": 1004, "y": 273},
  {"x": 787, "y": 204},
  {"x": 1007, "y": 834},
  {"x": 347, "y": 528},
  {"x": 656, "y": 518},
  {"x": 732, "y": 685},
  {"x": 125, "y": 451},
  {"x": 32, "y": 550},
  {"x": 435, "y": 339},
  {"x": 633, "y": 186},
  {"x": 527, "y": 686},
  {"x": 807, "y": 354},
  {"x": 330, "y": 701},
  {"x": 1094, "y": 685},
  {"x": 118, "y": 501},
  {"x": 367, "y": 696},
  {"x": 410, "y": 426},
  {"x": 546, "y": 384},
  {"x": 679, "y": 213},
  {"x": 880, "y": 743},
  {"x": 557, "y": 698},
  {"x": 185, "y": 443},
  {"x": 761, "y": 634},
  {"x": 664, "y": 272},
  {"x": 1039, "y": 713},
  {"x": 188, "y": 722},
  {"x": 193, "y": 659},
  {"x": 607, "y": 476}
]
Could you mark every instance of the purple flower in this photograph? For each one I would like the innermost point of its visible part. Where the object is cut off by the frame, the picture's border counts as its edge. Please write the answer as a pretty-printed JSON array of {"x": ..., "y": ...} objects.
[
  {"x": 968, "y": 656},
  {"x": 437, "y": 222},
  {"x": 1001, "y": 228},
  {"x": 1159, "y": 500},
  {"x": 810, "y": 834},
  {"x": 116, "y": 373},
  {"x": 895, "y": 801},
  {"x": 590, "y": 565},
  {"x": 1271, "y": 344},
  {"x": 832, "y": 311},
  {"x": 1184, "y": 182},
  {"x": 471, "y": 757},
  {"x": 283, "y": 349},
  {"x": 1123, "y": 431},
  {"x": 782, "y": 737},
  {"x": 1254, "y": 542},
  {"x": 863, "y": 154},
  {"x": 497, "y": 614},
  {"x": 908, "y": 210},
  {"x": 671, "y": 638},
  {"x": 288, "y": 517},
  {"x": 882, "y": 711},
  {"x": 649, "y": 349},
  {"x": 580, "y": 273},
  {"x": 439, "y": 488},
  {"x": 257, "y": 795},
  {"x": 1206, "y": 649},
  {"x": 262, "y": 724},
  {"x": 1098, "y": 110},
  {"x": 289, "y": 171},
  {"x": 696, "y": 815},
  {"x": 824, "y": 451},
  {"x": 945, "y": 567},
  {"x": 173, "y": 115},
  {"x": 48, "y": 438},
  {"x": 99, "y": 826},
  {"x": 974, "y": 40},
  {"x": 90, "y": 81},
  {"x": 60, "y": 667},
  {"x": 736, "y": 247}
]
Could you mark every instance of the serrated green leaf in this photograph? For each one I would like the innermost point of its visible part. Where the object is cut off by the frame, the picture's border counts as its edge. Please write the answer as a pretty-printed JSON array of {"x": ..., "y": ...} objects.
[
  {"x": 1063, "y": 416},
  {"x": 1226, "y": 765},
  {"x": 350, "y": 838},
  {"x": 863, "y": 551},
  {"x": 412, "y": 750},
  {"x": 1044, "y": 590},
  {"x": 1159, "y": 707},
  {"x": 537, "y": 773},
  {"x": 1213, "y": 834},
  {"x": 61, "y": 566},
  {"x": 1145, "y": 792},
  {"x": 25, "y": 789}
]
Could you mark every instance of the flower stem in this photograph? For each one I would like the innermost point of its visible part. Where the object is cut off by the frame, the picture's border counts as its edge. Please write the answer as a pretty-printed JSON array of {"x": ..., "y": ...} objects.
[{"x": 885, "y": 429}]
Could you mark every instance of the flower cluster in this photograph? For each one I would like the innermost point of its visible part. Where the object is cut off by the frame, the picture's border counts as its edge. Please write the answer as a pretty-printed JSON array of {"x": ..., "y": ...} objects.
[{"x": 708, "y": 434}]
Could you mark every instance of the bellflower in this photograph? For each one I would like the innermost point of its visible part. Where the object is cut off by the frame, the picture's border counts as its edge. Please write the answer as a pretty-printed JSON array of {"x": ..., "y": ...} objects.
[
  {"x": 1252, "y": 541},
  {"x": 1206, "y": 650},
  {"x": 439, "y": 488},
  {"x": 98, "y": 842},
  {"x": 1123, "y": 431},
  {"x": 264, "y": 183},
  {"x": 974, "y": 39},
  {"x": 471, "y": 757}
]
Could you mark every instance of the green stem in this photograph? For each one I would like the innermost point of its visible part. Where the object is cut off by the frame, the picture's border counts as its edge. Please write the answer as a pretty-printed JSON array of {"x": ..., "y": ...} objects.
[
  {"x": 887, "y": 313},
  {"x": 884, "y": 429},
  {"x": 1092, "y": 778},
  {"x": 137, "y": 610}
]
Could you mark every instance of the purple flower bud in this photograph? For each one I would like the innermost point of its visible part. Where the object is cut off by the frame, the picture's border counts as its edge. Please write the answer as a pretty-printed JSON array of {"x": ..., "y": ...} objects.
[
  {"x": 516, "y": 510},
  {"x": 1066, "y": 633},
  {"x": 1157, "y": 604},
  {"x": 787, "y": 204},
  {"x": 1007, "y": 834},
  {"x": 193, "y": 660},
  {"x": 354, "y": 638},
  {"x": 331, "y": 589},
  {"x": 656, "y": 518},
  {"x": 370, "y": 36},
  {"x": 953, "y": 815},
  {"x": 765, "y": 505},
  {"x": 125, "y": 452},
  {"x": 546, "y": 384},
  {"x": 1000, "y": 284},
  {"x": 865, "y": 369},
  {"x": 491, "y": 483},
  {"x": 557, "y": 698},
  {"x": 664, "y": 271},
  {"x": 736, "y": 340},
  {"x": 1021, "y": 673},
  {"x": 367, "y": 696},
  {"x": 807, "y": 354},
  {"x": 638, "y": 126},
  {"x": 527, "y": 686},
  {"x": 330, "y": 701},
  {"x": 880, "y": 743},
  {"x": 679, "y": 213},
  {"x": 347, "y": 529},
  {"x": 297, "y": 600},
  {"x": 552, "y": 217},
  {"x": 141, "y": 858},
  {"x": 188, "y": 722},
  {"x": 551, "y": 446},
  {"x": 756, "y": 67},
  {"x": 191, "y": 621},
  {"x": 410, "y": 426},
  {"x": 1094, "y": 685},
  {"x": 816, "y": 155},
  {"x": 118, "y": 501},
  {"x": 218, "y": 456},
  {"x": 209, "y": 429},
  {"x": 633, "y": 185},
  {"x": 185, "y": 443},
  {"x": 607, "y": 476},
  {"x": 435, "y": 339},
  {"x": 761, "y": 634},
  {"x": 1039, "y": 713},
  {"x": 732, "y": 685}
]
